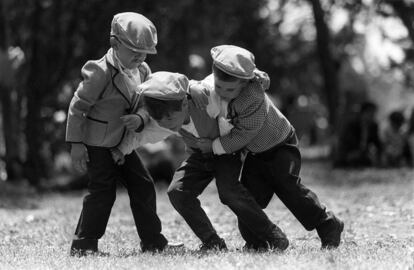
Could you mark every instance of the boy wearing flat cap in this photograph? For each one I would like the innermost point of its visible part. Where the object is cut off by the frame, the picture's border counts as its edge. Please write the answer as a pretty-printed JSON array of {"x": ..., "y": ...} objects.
[
  {"x": 166, "y": 100},
  {"x": 273, "y": 159},
  {"x": 99, "y": 115}
]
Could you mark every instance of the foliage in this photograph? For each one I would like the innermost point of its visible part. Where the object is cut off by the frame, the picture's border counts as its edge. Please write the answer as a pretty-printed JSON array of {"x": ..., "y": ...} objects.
[{"x": 57, "y": 37}]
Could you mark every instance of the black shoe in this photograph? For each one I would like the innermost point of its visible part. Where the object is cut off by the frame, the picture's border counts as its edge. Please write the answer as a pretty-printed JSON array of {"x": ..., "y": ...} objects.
[
  {"x": 330, "y": 233},
  {"x": 255, "y": 247},
  {"x": 174, "y": 247},
  {"x": 84, "y": 247},
  {"x": 213, "y": 243},
  {"x": 278, "y": 240}
]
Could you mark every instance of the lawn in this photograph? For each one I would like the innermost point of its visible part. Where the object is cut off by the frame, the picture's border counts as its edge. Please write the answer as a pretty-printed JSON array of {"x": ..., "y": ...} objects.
[{"x": 376, "y": 205}]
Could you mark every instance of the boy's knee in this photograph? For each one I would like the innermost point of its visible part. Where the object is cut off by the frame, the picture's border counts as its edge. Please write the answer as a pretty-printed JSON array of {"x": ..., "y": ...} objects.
[
  {"x": 227, "y": 197},
  {"x": 177, "y": 197}
]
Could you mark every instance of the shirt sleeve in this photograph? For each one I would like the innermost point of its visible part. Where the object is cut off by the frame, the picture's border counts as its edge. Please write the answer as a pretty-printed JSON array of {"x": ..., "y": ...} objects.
[
  {"x": 250, "y": 114},
  {"x": 86, "y": 95},
  {"x": 218, "y": 147},
  {"x": 152, "y": 133}
]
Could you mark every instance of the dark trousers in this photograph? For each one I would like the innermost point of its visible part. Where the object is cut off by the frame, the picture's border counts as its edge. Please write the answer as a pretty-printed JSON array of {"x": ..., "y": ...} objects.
[
  {"x": 103, "y": 174},
  {"x": 192, "y": 178},
  {"x": 276, "y": 171}
]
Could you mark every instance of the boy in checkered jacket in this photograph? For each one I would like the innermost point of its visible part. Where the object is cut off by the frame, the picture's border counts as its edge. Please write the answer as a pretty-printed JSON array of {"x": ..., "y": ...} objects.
[{"x": 259, "y": 129}]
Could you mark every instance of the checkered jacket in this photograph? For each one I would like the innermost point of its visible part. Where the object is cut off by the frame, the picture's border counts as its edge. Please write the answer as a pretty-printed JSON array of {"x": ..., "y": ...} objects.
[{"x": 258, "y": 124}]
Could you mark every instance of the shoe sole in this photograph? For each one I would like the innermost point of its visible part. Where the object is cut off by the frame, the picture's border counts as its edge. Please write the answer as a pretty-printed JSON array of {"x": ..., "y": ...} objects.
[{"x": 341, "y": 229}]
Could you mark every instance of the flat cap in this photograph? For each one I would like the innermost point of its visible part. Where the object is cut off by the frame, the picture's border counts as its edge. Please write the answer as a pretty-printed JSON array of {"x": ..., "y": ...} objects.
[
  {"x": 165, "y": 85},
  {"x": 135, "y": 31},
  {"x": 234, "y": 60}
]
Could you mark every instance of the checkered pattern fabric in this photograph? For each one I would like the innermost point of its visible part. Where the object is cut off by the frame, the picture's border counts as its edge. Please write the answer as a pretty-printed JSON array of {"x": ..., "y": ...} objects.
[{"x": 258, "y": 124}]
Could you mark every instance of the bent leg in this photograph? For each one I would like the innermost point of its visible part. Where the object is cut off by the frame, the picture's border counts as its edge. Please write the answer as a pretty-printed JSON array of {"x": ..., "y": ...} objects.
[
  {"x": 188, "y": 183},
  {"x": 283, "y": 174},
  {"x": 233, "y": 194},
  {"x": 252, "y": 179}
]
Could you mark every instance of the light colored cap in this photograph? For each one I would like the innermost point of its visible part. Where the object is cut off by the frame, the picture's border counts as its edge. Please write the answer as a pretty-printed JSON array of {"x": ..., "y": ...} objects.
[
  {"x": 135, "y": 31},
  {"x": 165, "y": 85},
  {"x": 234, "y": 60}
]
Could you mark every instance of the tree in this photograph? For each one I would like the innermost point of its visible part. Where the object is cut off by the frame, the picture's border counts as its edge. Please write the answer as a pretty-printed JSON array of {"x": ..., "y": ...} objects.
[
  {"x": 57, "y": 37},
  {"x": 10, "y": 106},
  {"x": 327, "y": 60}
]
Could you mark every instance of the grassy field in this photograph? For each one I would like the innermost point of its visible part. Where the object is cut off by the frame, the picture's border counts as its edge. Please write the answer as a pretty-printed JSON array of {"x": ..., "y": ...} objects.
[{"x": 376, "y": 205}]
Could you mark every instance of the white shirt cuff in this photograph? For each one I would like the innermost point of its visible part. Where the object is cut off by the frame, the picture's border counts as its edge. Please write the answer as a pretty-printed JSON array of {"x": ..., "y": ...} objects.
[{"x": 218, "y": 147}]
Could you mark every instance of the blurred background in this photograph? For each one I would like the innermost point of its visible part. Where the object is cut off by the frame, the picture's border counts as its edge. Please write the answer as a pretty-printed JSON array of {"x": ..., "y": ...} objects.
[{"x": 341, "y": 71}]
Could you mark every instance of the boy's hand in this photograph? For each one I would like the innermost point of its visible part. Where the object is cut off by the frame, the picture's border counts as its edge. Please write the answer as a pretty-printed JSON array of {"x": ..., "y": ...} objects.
[
  {"x": 117, "y": 156},
  {"x": 79, "y": 156},
  {"x": 205, "y": 145},
  {"x": 131, "y": 121},
  {"x": 199, "y": 94}
]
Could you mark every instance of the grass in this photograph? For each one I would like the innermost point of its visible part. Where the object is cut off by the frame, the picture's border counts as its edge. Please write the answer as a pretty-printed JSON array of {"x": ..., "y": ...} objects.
[{"x": 376, "y": 205}]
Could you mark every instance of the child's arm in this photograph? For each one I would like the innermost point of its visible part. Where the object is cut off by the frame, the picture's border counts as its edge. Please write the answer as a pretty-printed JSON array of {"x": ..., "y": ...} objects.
[
  {"x": 86, "y": 95},
  {"x": 152, "y": 133},
  {"x": 139, "y": 117},
  {"x": 251, "y": 113},
  {"x": 200, "y": 91}
]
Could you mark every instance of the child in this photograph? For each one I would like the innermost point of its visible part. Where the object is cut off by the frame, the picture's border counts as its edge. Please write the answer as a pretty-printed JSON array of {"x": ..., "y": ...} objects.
[
  {"x": 96, "y": 123},
  {"x": 359, "y": 144},
  {"x": 273, "y": 161},
  {"x": 165, "y": 98},
  {"x": 395, "y": 141}
]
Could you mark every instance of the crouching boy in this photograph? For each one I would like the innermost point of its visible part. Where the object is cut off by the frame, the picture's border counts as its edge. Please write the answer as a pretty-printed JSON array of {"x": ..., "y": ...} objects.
[
  {"x": 273, "y": 159},
  {"x": 166, "y": 100}
]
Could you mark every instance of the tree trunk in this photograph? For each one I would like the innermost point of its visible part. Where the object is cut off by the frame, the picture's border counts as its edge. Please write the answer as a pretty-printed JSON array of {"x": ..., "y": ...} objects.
[
  {"x": 9, "y": 113},
  {"x": 35, "y": 168},
  {"x": 327, "y": 62}
]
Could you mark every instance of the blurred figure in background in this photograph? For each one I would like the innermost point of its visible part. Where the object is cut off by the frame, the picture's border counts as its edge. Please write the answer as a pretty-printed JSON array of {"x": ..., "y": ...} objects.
[
  {"x": 358, "y": 143},
  {"x": 396, "y": 150},
  {"x": 410, "y": 138}
]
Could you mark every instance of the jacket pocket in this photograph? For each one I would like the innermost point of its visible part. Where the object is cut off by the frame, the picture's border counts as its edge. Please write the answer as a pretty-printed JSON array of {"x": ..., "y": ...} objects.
[{"x": 95, "y": 131}]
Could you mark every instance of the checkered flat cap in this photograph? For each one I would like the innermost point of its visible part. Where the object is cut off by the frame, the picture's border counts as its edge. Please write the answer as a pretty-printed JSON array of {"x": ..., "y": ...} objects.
[
  {"x": 234, "y": 60},
  {"x": 135, "y": 31}
]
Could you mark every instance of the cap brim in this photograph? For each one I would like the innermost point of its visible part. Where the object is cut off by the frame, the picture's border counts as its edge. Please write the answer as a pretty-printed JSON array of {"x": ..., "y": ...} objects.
[
  {"x": 153, "y": 51},
  {"x": 223, "y": 68}
]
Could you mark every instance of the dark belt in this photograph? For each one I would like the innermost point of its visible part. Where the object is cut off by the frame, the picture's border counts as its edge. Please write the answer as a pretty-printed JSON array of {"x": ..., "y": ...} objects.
[{"x": 265, "y": 155}]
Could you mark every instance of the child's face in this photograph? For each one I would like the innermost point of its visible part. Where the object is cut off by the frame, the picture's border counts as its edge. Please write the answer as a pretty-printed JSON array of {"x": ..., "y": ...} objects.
[
  {"x": 176, "y": 119},
  {"x": 228, "y": 90},
  {"x": 129, "y": 58}
]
